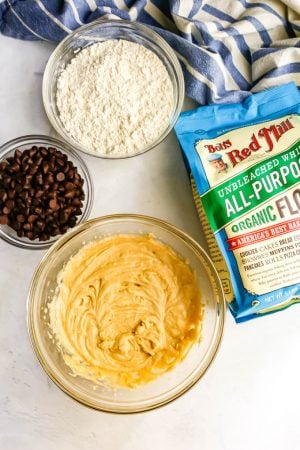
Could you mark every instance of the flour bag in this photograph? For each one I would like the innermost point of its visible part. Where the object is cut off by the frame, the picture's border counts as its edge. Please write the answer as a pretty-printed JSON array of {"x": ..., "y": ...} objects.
[{"x": 244, "y": 163}]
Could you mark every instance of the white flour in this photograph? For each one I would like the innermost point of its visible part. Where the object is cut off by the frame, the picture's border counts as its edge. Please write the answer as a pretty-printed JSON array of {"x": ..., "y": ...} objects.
[{"x": 115, "y": 97}]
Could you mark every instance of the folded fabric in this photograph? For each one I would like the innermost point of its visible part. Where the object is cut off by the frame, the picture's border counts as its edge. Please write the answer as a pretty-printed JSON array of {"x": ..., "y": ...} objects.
[{"x": 226, "y": 48}]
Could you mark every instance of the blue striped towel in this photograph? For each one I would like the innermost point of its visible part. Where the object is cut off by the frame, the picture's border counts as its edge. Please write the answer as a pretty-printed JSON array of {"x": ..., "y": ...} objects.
[{"x": 226, "y": 47}]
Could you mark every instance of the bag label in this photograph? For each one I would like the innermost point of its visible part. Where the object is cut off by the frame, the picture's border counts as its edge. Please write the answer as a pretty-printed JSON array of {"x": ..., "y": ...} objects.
[
  {"x": 254, "y": 175},
  {"x": 243, "y": 160}
]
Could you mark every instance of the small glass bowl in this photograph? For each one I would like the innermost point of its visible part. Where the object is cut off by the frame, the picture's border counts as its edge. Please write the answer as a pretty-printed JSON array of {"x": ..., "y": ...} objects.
[
  {"x": 99, "y": 31},
  {"x": 26, "y": 142},
  {"x": 170, "y": 385}
]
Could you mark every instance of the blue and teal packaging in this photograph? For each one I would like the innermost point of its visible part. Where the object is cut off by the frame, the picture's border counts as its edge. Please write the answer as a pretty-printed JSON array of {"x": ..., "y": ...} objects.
[{"x": 244, "y": 164}]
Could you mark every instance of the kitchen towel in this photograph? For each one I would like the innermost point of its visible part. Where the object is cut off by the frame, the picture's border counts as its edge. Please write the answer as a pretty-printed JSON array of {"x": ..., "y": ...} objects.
[{"x": 227, "y": 48}]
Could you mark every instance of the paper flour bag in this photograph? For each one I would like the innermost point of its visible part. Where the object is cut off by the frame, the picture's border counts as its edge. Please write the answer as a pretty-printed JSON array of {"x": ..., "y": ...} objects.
[{"x": 244, "y": 162}]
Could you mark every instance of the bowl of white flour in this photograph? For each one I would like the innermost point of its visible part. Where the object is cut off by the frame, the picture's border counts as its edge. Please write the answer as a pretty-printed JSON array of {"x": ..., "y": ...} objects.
[{"x": 113, "y": 89}]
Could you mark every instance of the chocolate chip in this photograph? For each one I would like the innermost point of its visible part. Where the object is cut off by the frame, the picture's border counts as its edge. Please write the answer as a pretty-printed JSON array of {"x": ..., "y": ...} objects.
[
  {"x": 63, "y": 217},
  {"x": 19, "y": 178},
  {"x": 56, "y": 231},
  {"x": 53, "y": 204},
  {"x": 33, "y": 170},
  {"x": 3, "y": 196},
  {"x": 32, "y": 152},
  {"x": 38, "y": 160},
  {"x": 45, "y": 237},
  {"x": 21, "y": 218},
  {"x": 27, "y": 226},
  {"x": 32, "y": 218},
  {"x": 39, "y": 193},
  {"x": 10, "y": 204},
  {"x": 36, "y": 201},
  {"x": 70, "y": 194},
  {"x": 28, "y": 201},
  {"x": 3, "y": 219},
  {"x": 39, "y": 178},
  {"x": 61, "y": 200},
  {"x": 49, "y": 178},
  {"x": 60, "y": 162},
  {"x": 52, "y": 194},
  {"x": 6, "y": 180},
  {"x": 69, "y": 186},
  {"x": 45, "y": 167},
  {"x": 15, "y": 167},
  {"x": 24, "y": 195},
  {"x": 40, "y": 225},
  {"x": 60, "y": 176},
  {"x": 71, "y": 174},
  {"x": 18, "y": 154},
  {"x": 16, "y": 225},
  {"x": 3, "y": 165},
  {"x": 72, "y": 221}
]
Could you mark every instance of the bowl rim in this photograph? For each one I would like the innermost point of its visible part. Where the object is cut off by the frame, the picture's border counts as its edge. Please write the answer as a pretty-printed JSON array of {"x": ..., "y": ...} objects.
[
  {"x": 46, "y": 140},
  {"x": 218, "y": 332},
  {"x": 126, "y": 25}
]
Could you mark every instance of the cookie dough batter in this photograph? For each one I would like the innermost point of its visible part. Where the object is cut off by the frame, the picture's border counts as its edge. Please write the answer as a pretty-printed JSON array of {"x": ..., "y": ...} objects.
[{"x": 127, "y": 310}]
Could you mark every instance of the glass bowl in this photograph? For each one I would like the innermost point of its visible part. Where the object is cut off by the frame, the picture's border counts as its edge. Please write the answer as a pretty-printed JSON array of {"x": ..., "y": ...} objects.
[
  {"x": 168, "y": 386},
  {"x": 99, "y": 31},
  {"x": 24, "y": 142}
]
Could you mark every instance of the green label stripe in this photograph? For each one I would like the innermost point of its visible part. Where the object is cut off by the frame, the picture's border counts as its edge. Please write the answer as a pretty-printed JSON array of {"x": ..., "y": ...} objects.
[{"x": 218, "y": 201}]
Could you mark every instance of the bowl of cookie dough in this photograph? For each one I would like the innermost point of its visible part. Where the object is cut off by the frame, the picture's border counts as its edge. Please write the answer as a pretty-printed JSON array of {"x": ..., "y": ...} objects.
[
  {"x": 125, "y": 313},
  {"x": 113, "y": 89}
]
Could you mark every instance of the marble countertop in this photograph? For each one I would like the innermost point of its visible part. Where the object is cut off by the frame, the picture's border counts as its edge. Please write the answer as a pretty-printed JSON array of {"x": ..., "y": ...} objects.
[{"x": 248, "y": 400}]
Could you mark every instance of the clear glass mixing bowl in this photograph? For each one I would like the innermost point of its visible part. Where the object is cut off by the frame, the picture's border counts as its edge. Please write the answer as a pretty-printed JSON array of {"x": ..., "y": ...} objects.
[
  {"x": 99, "y": 31},
  {"x": 170, "y": 385}
]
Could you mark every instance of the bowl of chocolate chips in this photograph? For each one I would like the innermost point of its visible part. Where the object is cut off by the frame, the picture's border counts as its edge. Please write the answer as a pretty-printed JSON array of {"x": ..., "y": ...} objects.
[{"x": 45, "y": 190}]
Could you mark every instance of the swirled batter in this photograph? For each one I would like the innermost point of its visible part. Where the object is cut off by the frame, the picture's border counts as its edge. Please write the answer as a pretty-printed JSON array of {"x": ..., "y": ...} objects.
[{"x": 127, "y": 309}]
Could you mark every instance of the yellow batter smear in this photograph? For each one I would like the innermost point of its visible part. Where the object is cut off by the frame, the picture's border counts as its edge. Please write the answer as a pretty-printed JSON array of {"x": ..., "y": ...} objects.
[{"x": 127, "y": 310}]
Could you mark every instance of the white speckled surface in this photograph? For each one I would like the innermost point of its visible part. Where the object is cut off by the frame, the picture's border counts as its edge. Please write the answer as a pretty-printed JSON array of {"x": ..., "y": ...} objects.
[{"x": 248, "y": 400}]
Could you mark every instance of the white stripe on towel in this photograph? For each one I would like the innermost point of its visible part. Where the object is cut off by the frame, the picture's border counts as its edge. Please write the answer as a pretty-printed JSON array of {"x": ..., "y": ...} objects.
[
  {"x": 198, "y": 75},
  {"x": 121, "y": 4},
  {"x": 92, "y": 5},
  {"x": 75, "y": 12},
  {"x": 159, "y": 16},
  {"x": 185, "y": 8},
  {"x": 54, "y": 19},
  {"x": 23, "y": 23},
  {"x": 266, "y": 83}
]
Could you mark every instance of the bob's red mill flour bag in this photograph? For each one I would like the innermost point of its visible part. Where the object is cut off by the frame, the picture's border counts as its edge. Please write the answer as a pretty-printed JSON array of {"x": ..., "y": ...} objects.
[{"x": 244, "y": 161}]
